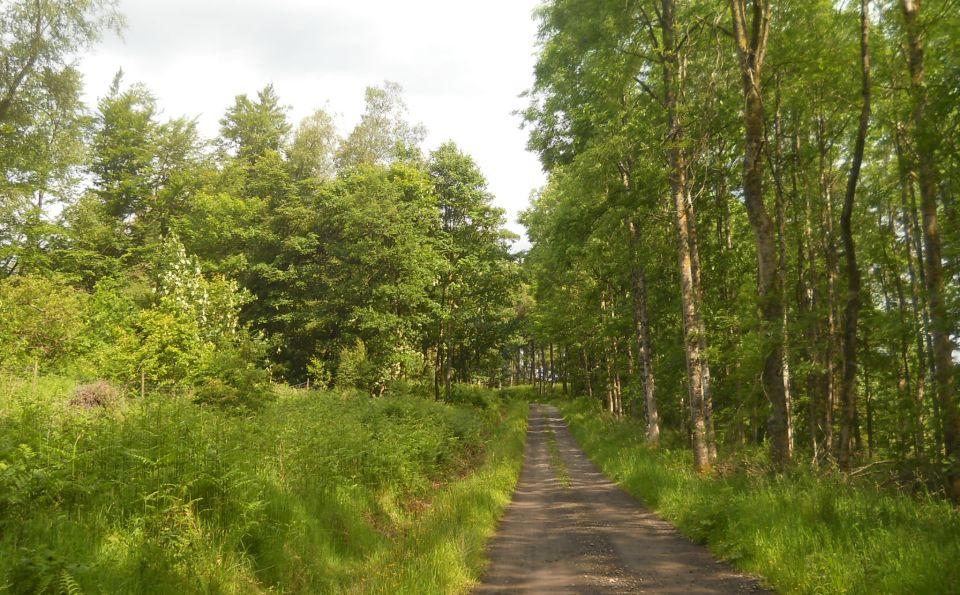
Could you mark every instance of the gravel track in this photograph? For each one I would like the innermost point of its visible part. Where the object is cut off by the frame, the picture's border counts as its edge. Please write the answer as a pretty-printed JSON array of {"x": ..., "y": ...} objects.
[{"x": 577, "y": 532}]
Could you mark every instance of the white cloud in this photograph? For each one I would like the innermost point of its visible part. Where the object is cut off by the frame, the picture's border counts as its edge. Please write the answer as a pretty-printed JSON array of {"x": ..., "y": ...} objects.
[{"x": 462, "y": 65}]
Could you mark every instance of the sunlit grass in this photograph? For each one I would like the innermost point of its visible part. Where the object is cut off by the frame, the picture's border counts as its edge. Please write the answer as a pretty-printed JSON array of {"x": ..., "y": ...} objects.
[
  {"x": 318, "y": 493},
  {"x": 804, "y": 532},
  {"x": 556, "y": 461}
]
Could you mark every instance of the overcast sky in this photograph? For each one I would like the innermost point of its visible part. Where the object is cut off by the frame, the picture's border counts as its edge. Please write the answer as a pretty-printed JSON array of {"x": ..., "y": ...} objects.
[{"x": 462, "y": 64}]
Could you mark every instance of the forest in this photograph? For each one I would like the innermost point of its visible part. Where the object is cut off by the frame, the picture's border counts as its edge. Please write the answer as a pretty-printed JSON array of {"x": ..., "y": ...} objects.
[
  {"x": 135, "y": 251},
  {"x": 287, "y": 358},
  {"x": 749, "y": 233}
]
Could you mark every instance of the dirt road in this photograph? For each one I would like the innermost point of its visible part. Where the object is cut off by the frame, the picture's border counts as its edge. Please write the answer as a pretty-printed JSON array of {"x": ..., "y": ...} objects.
[{"x": 570, "y": 530}]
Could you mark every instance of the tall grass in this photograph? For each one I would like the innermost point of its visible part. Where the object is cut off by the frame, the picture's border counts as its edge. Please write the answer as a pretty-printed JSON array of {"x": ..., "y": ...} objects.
[
  {"x": 803, "y": 532},
  {"x": 318, "y": 493},
  {"x": 445, "y": 551}
]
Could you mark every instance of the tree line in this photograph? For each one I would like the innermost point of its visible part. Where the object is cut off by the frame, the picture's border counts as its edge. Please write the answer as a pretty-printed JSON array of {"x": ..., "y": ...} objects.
[
  {"x": 752, "y": 203},
  {"x": 134, "y": 249}
]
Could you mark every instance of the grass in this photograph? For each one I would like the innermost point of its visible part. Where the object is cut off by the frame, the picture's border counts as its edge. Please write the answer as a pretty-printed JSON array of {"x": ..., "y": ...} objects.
[
  {"x": 318, "y": 493},
  {"x": 445, "y": 553},
  {"x": 556, "y": 461},
  {"x": 803, "y": 532}
]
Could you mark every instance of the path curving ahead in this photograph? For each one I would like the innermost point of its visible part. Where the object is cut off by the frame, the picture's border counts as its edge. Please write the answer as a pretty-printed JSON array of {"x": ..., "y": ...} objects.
[{"x": 577, "y": 532}]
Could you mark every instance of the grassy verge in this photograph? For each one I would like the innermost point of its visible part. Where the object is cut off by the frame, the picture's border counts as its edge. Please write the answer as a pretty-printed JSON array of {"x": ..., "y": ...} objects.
[
  {"x": 803, "y": 533},
  {"x": 318, "y": 493},
  {"x": 445, "y": 552},
  {"x": 556, "y": 461}
]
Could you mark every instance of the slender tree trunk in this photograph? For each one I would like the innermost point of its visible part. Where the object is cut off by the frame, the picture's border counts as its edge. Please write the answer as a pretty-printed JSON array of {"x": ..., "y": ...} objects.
[
  {"x": 447, "y": 366},
  {"x": 542, "y": 369},
  {"x": 911, "y": 429},
  {"x": 777, "y": 163},
  {"x": 441, "y": 338},
  {"x": 633, "y": 406},
  {"x": 438, "y": 362},
  {"x": 642, "y": 325},
  {"x": 706, "y": 387},
  {"x": 914, "y": 263},
  {"x": 926, "y": 143},
  {"x": 829, "y": 301},
  {"x": 552, "y": 371},
  {"x": 564, "y": 354},
  {"x": 848, "y": 385},
  {"x": 806, "y": 303},
  {"x": 587, "y": 373},
  {"x": 868, "y": 399},
  {"x": 926, "y": 334},
  {"x": 751, "y": 39},
  {"x": 611, "y": 402},
  {"x": 617, "y": 388},
  {"x": 918, "y": 279},
  {"x": 673, "y": 74}
]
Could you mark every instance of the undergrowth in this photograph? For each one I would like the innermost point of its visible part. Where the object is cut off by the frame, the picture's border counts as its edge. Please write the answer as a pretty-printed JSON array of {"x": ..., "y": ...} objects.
[
  {"x": 317, "y": 493},
  {"x": 804, "y": 533}
]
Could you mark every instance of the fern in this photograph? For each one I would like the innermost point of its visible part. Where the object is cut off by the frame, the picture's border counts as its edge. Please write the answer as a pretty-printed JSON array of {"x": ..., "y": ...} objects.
[{"x": 68, "y": 585}]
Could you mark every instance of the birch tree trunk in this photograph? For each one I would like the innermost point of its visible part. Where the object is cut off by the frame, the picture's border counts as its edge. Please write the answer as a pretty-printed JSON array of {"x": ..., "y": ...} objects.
[{"x": 673, "y": 74}]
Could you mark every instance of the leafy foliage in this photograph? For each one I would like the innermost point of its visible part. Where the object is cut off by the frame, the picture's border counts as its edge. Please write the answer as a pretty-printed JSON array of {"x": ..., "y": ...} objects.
[
  {"x": 637, "y": 113},
  {"x": 40, "y": 319}
]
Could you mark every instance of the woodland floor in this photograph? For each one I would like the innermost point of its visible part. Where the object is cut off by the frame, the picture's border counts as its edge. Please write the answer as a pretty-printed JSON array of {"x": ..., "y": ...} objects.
[{"x": 569, "y": 529}]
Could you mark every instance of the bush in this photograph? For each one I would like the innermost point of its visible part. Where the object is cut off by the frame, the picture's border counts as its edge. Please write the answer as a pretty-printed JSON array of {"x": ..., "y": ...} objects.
[
  {"x": 230, "y": 376},
  {"x": 170, "y": 349},
  {"x": 40, "y": 321},
  {"x": 355, "y": 370},
  {"x": 471, "y": 394},
  {"x": 525, "y": 392},
  {"x": 109, "y": 341},
  {"x": 319, "y": 370}
]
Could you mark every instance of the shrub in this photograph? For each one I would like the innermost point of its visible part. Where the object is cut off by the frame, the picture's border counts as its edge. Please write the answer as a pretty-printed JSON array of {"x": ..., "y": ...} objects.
[
  {"x": 40, "y": 320},
  {"x": 355, "y": 370},
  {"x": 170, "y": 347},
  {"x": 230, "y": 376},
  {"x": 109, "y": 340},
  {"x": 471, "y": 394},
  {"x": 319, "y": 370}
]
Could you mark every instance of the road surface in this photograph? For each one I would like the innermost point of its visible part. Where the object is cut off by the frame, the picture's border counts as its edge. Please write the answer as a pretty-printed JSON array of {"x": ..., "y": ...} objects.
[{"x": 571, "y": 530}]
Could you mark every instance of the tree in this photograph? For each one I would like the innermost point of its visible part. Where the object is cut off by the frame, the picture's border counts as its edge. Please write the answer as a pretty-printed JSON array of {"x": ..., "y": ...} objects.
[
  {"x": 41, "y": 117},
  {"x": 144, "y": 174},
  {"x": 475, "y": 285},
  {"x": 383, "y": 134},
  {"x": 251, "y": 127},
  {"x": 39, "y": 40},
  {"x": 852, "y": 310},
  {"x": 750, "y": 35},
  {"x": 926, "y": 134},
  {"x": 314, "y": 144},
  {"x": 385, "y": 262}
]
